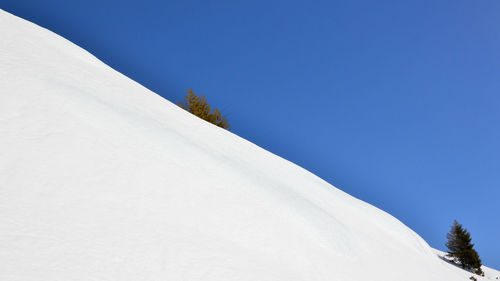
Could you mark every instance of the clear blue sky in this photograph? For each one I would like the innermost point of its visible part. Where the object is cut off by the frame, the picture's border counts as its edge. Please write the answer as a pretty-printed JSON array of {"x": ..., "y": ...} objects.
[{"x": 395, "y": 102}]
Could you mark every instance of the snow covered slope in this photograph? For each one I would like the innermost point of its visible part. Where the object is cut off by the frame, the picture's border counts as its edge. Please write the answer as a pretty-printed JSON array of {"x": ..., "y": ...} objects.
[{"x": 101, "y": 179}]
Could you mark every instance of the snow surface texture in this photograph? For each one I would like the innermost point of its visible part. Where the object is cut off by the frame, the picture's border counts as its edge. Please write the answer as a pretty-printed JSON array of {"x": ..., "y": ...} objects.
[{"x": 102, "y": 179}]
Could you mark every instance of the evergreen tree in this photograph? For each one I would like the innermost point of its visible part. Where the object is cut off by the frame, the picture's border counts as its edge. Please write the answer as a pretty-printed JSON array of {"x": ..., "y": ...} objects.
[
  {"x": 461, "y": 249},
  {"x": 198, "y": 106}
]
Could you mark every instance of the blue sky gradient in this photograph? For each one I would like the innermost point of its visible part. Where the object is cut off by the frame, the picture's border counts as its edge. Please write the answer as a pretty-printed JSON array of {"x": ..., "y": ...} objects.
[{"x": 394, "y": 102}]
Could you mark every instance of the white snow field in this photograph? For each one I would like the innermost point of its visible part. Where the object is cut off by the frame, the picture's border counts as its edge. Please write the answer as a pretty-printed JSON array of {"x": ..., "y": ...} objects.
[{"x": 102, "y": 179}]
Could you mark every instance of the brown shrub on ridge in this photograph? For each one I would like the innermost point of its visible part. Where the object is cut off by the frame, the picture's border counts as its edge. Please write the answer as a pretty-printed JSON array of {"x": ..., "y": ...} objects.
[{"x": 198, "y": 106}]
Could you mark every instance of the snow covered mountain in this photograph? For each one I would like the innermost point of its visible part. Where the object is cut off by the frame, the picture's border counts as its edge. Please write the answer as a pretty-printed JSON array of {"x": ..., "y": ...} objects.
[{"x": 102, "y": 179}]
